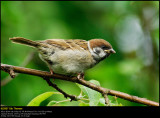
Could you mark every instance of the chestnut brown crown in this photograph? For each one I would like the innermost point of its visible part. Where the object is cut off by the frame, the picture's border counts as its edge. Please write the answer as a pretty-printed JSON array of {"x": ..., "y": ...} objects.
[{"x": 105, "y": 45}]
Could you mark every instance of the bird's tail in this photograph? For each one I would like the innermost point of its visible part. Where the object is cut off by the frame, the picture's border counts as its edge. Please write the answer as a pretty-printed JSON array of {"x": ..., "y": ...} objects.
[{"x": 24, "y": 41}]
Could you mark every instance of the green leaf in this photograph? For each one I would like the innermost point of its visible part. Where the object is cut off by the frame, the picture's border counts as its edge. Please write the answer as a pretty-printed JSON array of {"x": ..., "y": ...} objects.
[
  {"x": 101, "y": 102},
  {"x": 83, "y": 89},
  {"x": 51, "y": 103},
  {"x": 83, "y": 104},
  {"x": 37, "y": 100},
  {"x": 93, "y": 95},
  {"x": 120, "y": 104},
  {"x": 116, "y": 104}
]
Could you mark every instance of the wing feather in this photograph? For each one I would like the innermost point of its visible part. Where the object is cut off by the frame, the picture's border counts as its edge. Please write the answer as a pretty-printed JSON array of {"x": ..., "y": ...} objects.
[{"x": 62, "y": 44}]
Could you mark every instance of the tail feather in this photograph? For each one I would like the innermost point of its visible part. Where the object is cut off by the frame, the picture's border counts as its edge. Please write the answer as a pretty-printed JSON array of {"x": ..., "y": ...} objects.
[{"x": 24, "y": 41}]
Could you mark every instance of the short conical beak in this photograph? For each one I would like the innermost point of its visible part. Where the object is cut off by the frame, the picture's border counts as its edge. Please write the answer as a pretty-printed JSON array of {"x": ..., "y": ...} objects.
[{"x": 112, "y": 51}]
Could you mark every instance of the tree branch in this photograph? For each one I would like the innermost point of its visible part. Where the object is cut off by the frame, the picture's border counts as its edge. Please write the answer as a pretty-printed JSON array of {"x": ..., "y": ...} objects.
[{"x": 103, "y": 91}]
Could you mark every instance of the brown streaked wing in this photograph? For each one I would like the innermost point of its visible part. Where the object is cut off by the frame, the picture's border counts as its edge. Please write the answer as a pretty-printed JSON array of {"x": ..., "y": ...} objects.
[
  {"x": 81, "y": 43},
  {"x": 73, "y": 45},
  {"x": 59, "y": 43},
  {"x": 67, "y": 44}
]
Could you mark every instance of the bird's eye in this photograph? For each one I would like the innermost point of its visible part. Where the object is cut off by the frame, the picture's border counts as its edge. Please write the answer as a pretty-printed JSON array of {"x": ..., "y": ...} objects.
[{"x": 105, "y": 47}]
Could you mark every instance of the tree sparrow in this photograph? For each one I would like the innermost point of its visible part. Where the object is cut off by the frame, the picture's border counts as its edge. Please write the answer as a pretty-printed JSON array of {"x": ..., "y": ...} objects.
[{"x": 69, "y": 57}]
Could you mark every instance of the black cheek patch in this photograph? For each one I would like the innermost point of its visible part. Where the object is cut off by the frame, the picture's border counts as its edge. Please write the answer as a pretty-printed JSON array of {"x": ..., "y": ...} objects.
[{"x": 97, "y": 51}]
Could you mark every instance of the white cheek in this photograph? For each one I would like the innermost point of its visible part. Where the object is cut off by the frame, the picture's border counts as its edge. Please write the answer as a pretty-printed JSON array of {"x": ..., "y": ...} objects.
[{"x": 102, "y": 54}]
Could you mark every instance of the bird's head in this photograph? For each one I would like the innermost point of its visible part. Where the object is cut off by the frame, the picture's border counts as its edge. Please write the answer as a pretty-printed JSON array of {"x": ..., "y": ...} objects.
[{"x": 100, "y": 49}]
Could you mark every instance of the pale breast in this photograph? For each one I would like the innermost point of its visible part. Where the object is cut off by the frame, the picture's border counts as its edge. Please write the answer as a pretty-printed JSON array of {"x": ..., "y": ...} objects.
[{"x": 70, "y": 61}]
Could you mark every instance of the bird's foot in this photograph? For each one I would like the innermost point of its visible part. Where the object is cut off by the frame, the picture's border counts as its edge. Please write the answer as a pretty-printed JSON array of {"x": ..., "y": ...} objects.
[
  {"x": 80, "y": 76},
  {"x": 51, "y": 71}
]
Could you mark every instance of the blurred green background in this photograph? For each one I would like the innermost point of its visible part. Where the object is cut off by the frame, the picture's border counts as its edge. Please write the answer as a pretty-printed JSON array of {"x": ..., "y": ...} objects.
[{"x": 131, "y": 27}]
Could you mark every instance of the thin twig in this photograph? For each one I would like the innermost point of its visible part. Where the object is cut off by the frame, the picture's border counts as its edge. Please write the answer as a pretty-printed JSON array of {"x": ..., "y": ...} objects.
[
  {"x": 100, "y": 89},
  {"x": 107, "y": 102},
  {"x": 72, "y": 97}
]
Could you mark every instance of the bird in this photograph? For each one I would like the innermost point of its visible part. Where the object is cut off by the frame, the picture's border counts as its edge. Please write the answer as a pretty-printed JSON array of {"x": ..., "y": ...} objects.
[{"x": 69, "y": 57}]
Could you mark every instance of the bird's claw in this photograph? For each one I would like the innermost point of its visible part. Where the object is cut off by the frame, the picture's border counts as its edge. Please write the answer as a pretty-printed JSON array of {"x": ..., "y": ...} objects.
[{"x": 80, "y": 76}]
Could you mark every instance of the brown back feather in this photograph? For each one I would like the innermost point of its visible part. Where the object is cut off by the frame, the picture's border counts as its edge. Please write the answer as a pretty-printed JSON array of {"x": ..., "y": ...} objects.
[{"x": 75, "y": 44}]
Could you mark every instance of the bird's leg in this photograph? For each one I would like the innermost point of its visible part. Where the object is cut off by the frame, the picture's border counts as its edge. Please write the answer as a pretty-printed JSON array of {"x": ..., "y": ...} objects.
[
  {"x": 80, "y": 75},
  {"x": 51, "y": 71}
]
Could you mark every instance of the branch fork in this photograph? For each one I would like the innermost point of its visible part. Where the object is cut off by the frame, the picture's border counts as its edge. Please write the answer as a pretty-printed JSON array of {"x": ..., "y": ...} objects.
[{"x": 9, "y": 69}]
